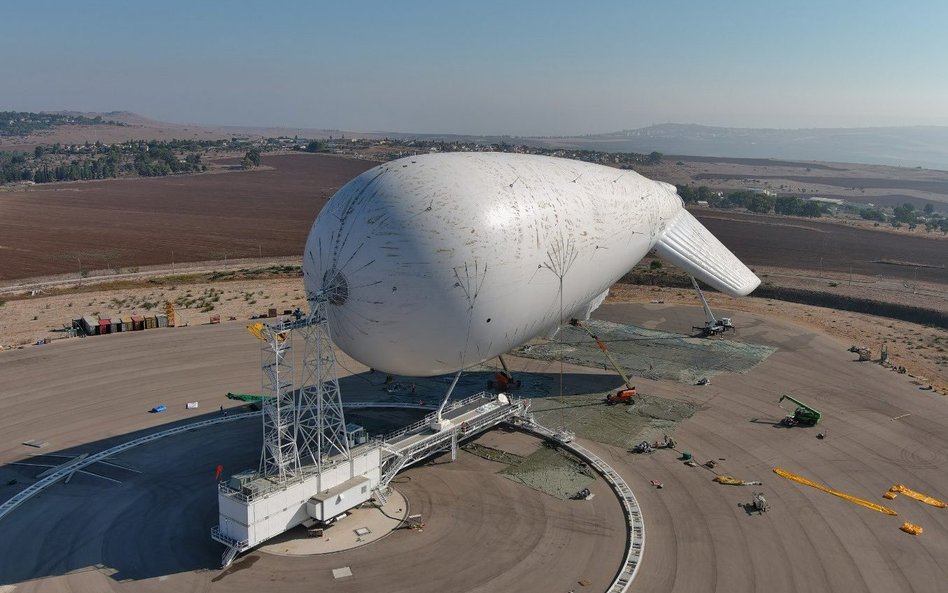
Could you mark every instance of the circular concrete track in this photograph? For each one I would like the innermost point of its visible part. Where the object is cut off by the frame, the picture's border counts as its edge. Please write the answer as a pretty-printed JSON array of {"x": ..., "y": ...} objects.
[
  {"x": 144, "y": 521},
  {"x": 149, "y": 530}
]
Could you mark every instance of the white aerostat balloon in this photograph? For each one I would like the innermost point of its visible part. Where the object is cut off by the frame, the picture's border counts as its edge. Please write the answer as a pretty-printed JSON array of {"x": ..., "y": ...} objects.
[{"x": 439, "y": 262}]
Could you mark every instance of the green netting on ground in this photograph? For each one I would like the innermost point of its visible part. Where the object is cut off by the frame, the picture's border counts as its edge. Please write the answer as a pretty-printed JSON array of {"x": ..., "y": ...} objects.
[
  {"x": 551, "y": 471},
  {"x": 492, "y": 454},
  {"x": 620, "y": 425},
  {"x": 649, "y": 353}
]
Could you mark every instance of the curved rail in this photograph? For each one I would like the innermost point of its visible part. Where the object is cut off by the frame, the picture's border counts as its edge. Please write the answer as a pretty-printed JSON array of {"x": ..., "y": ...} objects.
[
  {"x": 635, "y": 542},
  {"x": 34, "y": 489},
  {"x": 70, "y": 467},
  {"x": 635, "y": 526}
]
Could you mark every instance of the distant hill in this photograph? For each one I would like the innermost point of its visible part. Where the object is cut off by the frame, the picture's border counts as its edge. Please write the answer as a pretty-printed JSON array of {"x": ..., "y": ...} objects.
[
  {"x": 917, "y": 146},
  {"x": 24, "y": 123},
  {"x": 74, "y": 127}
]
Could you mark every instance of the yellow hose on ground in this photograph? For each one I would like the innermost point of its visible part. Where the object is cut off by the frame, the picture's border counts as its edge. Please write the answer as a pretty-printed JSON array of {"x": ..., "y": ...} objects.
[
  {"x": 916, "y": 495},
  {"x": 859, "y": 501}
]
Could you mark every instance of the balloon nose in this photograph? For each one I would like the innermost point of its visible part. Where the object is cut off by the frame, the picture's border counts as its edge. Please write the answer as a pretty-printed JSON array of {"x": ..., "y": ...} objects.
[{"x": 335, "y": 287}]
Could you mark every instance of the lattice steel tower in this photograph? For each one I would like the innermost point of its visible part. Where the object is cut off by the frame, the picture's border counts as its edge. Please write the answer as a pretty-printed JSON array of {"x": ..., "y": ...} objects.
[
  {"x": 321, "y": 420},
  {"x": 280, "y": 456},
  {"x": 305, "y": 426}
]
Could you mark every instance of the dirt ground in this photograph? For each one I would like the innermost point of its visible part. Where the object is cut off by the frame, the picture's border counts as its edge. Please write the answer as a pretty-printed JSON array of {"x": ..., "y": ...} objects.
[
  {"x": 920, "y": 349},
  {"x": 125, "y": 223},
  {"x": 24, "y": 321},
  {"x": 818, "y": 246}
]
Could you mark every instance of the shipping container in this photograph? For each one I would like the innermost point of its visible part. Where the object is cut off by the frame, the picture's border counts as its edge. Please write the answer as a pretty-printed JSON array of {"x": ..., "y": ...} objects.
[
  {"x": 105, "y": 326},
  {"x": 90, "y": 325},
  {"x": 138, "y": 322},
  {"x": 162, "y": 320},
  {"x": 126, "y": 323}
]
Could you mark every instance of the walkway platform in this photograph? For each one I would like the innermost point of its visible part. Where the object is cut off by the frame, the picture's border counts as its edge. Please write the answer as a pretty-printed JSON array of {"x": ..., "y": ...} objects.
[{"x": 460, "y": 419}]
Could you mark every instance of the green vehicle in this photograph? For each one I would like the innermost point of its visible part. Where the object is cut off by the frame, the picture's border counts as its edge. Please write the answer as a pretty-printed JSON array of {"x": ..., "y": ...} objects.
[
  {"x": 804, "y": 415},
  {"x": 255, "y": 401}
]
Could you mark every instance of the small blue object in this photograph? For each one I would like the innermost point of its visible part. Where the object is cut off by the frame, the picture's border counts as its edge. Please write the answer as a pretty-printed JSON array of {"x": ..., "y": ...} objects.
[{"x": 157, "y": 409}]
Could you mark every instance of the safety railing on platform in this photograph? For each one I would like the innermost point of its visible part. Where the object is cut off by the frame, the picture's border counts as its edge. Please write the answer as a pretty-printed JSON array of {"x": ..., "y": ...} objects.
[{"x": 426, "y": 421}]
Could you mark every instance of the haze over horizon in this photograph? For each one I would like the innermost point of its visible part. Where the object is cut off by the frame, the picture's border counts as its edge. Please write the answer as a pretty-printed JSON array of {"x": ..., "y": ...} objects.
[{"x": 529, "y": 69}]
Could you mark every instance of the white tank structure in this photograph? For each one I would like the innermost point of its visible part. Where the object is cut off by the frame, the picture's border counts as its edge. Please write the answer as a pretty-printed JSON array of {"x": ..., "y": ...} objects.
[{"x": 436, "y": 263}]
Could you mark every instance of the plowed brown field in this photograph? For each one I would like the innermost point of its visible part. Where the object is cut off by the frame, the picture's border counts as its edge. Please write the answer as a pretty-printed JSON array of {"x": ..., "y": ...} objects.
[
  {"x": 122, "y": 223},
  {"x": 63, "y": 228}
]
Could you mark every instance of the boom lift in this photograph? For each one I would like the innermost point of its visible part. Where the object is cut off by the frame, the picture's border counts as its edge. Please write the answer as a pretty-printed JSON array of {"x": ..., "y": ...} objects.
[
  {"x": 625, "y": 396},
  {"x": 804, "y": 415},
  {"x": 712, "y": 325},
  {"x": 503, "y": 380}
]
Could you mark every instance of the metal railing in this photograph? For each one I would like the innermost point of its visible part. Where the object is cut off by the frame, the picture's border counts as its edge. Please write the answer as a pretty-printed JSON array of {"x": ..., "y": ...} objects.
[
  {"x": 416, "y": 451},
  {"x": 34, "y": 489},
  {"x": 426, "y": 421},
  {"x": 635, "y": 526}
]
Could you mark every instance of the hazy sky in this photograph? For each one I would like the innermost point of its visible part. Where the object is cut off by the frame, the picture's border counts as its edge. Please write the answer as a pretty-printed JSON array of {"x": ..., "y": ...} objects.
[{"x": 480, "y": 66}]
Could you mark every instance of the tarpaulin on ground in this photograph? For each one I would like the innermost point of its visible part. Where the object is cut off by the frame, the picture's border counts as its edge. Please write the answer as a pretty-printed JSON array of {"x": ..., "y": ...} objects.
[
  {"x": 901, "y": 489},
  {"x": 853, "y": 499}
]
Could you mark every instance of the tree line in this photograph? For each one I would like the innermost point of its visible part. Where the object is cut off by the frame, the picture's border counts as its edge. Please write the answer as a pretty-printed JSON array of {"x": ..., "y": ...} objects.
[
  {"x": 23, "y": 123},
  {"x": 55, "y": 162},
  {"x": 750, "y": 200},
  {"x": 762, "y": 203}
]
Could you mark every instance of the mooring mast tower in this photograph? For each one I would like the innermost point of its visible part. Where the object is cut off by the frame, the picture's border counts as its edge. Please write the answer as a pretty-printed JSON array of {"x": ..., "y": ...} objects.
[
  {"x": 309, "y": 473},
  {"x": 306, "y": 471},
  {"x": 321, "y": 421},
  {"x": 306, "y": 426}
]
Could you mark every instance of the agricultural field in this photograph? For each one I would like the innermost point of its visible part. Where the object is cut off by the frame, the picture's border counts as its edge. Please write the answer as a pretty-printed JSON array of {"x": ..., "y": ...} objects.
[
  {"x": 120, "y": 224},
  {"x": 267, "y": 212}
]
